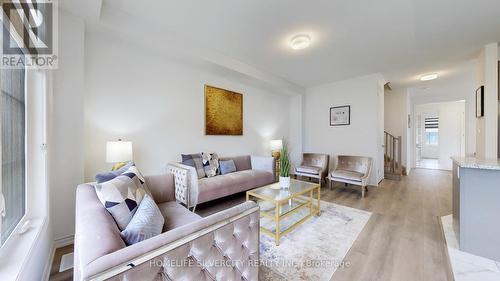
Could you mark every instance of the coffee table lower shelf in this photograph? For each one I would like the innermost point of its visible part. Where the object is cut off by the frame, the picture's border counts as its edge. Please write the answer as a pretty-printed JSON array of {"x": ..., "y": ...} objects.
[{"x": 279, "y": 209}]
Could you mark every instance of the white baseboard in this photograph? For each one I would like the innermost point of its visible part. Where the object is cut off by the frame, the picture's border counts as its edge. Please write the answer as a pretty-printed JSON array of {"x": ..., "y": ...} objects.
[
  {"x": 48, "y": 265},
  {"x": 64, "y": 241}
]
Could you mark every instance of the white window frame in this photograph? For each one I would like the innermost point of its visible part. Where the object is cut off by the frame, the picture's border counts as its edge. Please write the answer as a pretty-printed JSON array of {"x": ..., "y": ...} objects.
[
  {"x": 16, "y": 251},
  {"x": 23, "y": 218}
]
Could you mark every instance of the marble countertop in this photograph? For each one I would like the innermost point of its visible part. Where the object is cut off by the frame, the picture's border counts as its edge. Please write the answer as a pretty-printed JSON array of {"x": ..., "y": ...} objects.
[{"x": 475, "y": 163}]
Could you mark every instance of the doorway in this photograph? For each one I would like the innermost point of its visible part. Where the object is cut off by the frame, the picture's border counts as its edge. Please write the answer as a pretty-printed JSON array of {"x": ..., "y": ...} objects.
[{"x": 439, "y": 134}]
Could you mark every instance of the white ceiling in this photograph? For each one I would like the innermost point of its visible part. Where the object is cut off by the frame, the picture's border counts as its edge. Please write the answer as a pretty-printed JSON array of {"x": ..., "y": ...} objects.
[{"x": 399, "y": 38}]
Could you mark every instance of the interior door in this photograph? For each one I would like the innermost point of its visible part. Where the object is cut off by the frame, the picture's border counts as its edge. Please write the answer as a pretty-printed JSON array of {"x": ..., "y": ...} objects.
[{"x": 418, "y": 138}]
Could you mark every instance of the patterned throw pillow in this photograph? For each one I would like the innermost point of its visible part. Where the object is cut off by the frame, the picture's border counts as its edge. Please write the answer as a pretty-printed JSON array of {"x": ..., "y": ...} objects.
[
  {"x": 227, "y": 167},
  {"x": 194, "y": 160},
  {"x": 210, "y": 164},
  {"x": 146, "y": 223},
  {"x": 121, "y": 195},
  {"x": 103, "y": 177}
]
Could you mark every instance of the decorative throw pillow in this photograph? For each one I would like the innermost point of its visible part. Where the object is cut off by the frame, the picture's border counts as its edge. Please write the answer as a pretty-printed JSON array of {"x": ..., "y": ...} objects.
[
  {"x": 194, "y": 160},
  {"x": 121, "y": 195},
  {"x": 147, "y": 222},
  {"x": 210, "y": 164},
  {"x": 104, "y": 177},
  {"x": 227, "y": 167}
]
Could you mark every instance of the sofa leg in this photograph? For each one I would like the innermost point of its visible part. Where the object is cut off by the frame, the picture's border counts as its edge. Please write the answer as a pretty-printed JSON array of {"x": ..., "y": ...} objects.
[
  {"x": 194, "y": 209},
  {"x": 362, "y": 192},
  {"x": 330, "y": 183}
]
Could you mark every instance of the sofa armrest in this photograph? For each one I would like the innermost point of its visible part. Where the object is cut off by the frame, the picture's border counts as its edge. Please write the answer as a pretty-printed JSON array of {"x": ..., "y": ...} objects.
[
  {"x": 225, "y": 244},
  {"x": 263, "y": 163},
  {"x": 366, "y": 176},
  {"x": 96, "y": 232},
  {"x": 186, "y": 183}
]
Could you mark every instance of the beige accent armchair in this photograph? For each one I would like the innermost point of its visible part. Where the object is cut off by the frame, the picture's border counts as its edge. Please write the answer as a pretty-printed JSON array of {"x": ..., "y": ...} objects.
[
  {"x": 314, "y": 165},
  {"x": 352, "y": 170}
]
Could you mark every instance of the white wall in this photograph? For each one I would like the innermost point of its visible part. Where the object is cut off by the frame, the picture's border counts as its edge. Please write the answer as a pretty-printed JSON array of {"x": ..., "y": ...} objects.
[
  {"x": 480, "y": 124},
  {"x": 451, "y": 132},
  {"x": 65, "y": 147},
  {"x": 396, "y": 118},
  {"x": 157, "y": 101},
  {"x": 487, "y": 126},
  {"x": 380, "y": 129},
  {"x": 296, "y": 128},
  {"x": 359, "y": 138}
]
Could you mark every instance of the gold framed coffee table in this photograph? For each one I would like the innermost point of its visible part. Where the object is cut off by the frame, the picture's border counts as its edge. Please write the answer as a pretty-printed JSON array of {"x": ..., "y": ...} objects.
[{"x": 285, "y": 202}]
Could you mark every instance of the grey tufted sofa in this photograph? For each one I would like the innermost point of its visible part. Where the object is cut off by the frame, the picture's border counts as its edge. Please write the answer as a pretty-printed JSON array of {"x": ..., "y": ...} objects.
[
  {"x": 223, "y": 246},
  {"x": 251, "y": 172}
]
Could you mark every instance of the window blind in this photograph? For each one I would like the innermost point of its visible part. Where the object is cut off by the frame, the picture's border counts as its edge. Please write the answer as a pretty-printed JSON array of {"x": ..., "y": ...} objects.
[{"x": 431, "y": 122}]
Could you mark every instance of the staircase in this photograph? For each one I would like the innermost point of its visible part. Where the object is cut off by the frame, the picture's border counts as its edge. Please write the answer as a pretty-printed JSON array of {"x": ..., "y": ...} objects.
[{"x": 393, "y": 168}]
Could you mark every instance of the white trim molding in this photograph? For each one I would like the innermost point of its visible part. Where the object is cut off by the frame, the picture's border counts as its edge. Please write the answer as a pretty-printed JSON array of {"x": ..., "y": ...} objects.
[{"x": 64, "y": 241}]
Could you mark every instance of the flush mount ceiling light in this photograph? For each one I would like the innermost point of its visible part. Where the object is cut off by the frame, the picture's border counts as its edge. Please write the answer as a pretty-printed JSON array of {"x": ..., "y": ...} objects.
[
  {"x": 428, "y": 77},
  {"x": 299, "y": 42}
]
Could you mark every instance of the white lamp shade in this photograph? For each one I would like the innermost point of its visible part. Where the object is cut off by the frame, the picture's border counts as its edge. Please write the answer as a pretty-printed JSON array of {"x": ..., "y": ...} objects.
[
  {"x": 276, "y": 145},
  {"x": 118, "y": 151}
]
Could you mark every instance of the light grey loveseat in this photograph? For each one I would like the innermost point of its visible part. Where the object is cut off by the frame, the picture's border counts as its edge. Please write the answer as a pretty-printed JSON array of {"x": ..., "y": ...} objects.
[
  {"x": 223, "y": 246},
  {"x": 251, "y": 172}
]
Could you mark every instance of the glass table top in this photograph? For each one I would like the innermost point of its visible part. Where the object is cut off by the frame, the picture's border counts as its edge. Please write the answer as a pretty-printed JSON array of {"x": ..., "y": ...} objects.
[{"x": 275, "y": 193}]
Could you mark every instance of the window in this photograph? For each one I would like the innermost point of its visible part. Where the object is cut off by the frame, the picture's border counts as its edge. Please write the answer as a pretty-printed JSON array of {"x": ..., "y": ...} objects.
[
  {"x": 13, "y": 155},
  {"x": 432, "y": 131}
]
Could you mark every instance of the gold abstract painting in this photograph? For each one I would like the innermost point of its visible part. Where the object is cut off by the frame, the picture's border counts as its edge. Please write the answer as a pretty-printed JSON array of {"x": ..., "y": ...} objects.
[{"x": 223, "y": 112}]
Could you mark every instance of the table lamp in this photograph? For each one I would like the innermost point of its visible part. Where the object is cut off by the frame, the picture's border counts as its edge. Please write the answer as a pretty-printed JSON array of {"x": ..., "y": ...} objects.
[
  {"x": 276, "y": 146},
  {"x": 118, "y": 152}
]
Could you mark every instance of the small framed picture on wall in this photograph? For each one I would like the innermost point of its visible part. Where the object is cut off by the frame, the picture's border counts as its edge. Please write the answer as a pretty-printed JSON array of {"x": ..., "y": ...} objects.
[
  {"x": 340, "y": 115},
  {"x": 480, "y": 102}
]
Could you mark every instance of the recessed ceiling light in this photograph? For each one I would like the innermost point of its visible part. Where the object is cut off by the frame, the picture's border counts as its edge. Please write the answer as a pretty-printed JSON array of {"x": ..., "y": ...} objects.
[
  {"x": 301, "y": 41},
  {"x": 430, "y": 76}
]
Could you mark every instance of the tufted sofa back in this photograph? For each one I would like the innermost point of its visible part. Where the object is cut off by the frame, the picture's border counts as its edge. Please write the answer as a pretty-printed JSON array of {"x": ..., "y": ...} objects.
[
  {"x": 229, "y": 252},
  {"x": 358, "y": 164},
  {"x": 241, "y": 162}
]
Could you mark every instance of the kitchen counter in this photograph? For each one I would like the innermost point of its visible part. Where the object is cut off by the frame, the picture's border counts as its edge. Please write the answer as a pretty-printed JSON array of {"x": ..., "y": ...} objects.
[
  {"x": 476, "y": 205},
  {"x": 475, "y": 163}
]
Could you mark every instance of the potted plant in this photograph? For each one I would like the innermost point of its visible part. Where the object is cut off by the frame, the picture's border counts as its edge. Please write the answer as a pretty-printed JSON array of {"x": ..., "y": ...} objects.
[{"x": 284, "y": 166}]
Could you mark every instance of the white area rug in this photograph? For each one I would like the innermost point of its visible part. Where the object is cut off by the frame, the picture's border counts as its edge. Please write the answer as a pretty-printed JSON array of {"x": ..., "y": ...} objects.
[
  {"x": 465, "y": 266},
  {"x": 66, "y": 262},
  {"x": 315, "y": 249}
]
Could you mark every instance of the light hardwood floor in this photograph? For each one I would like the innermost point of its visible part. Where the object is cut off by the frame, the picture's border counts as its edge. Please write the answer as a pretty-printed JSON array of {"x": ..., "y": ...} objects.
[{"x": 402, "y": 240}]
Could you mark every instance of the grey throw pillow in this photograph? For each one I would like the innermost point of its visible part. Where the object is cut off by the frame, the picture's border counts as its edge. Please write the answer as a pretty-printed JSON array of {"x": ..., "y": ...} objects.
[
  {"x": 146, "y": 223},
  {"x": 121, "y": 195},
  {"x": 227, "y": 167},
  {"x": 194, "y": 160}
]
